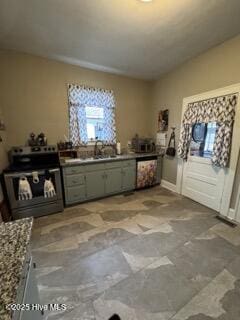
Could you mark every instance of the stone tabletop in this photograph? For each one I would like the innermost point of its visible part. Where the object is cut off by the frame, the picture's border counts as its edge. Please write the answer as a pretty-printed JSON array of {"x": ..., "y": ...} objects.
[
  {"x": 80, "y": 161},
  {"x": 14, "y": 240}
]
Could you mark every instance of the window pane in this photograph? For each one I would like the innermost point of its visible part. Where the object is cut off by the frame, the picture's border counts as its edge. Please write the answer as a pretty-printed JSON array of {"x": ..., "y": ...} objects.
[
  {"x": 95, "y": 122},
  {"x": 203, "y": 136},
  {"x": 91, "y": 131},
  {"x": 94, "y": 112}
]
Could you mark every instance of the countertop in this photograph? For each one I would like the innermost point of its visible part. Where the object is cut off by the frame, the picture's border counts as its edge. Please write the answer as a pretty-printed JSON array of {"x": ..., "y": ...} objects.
[
  {"x": 14, "y": 240},
  {"x": 79, "y": 161}
]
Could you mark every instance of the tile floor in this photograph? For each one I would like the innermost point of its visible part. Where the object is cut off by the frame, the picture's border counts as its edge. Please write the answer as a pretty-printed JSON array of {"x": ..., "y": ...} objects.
[{"x": 152, "y": 255}]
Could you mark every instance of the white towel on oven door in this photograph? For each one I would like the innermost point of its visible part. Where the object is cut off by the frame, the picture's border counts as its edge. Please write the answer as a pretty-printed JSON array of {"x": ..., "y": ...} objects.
[
  {"x": 24, "y": 189},
  {"x": 49, "y": 190}
]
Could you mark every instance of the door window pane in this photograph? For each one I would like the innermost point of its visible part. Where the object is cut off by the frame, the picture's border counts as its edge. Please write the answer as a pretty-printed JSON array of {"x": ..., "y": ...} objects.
[
  {"x": 209, "y": 141},
  {"x": 203, "y": 135}
]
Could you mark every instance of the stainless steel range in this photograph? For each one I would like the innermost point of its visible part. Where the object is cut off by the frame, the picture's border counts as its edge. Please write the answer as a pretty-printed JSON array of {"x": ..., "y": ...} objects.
[{"x": 33, "y": 181}]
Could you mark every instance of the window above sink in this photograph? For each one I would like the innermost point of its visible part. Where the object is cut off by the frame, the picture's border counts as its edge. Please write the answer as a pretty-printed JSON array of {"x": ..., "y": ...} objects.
[{"x": 91, "y": 115}]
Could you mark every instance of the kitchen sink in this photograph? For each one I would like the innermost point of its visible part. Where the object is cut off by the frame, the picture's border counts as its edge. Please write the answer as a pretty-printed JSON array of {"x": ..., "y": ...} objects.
[
  {"x": 104, "y": 157},
  {"x": 100, "y": 157}
]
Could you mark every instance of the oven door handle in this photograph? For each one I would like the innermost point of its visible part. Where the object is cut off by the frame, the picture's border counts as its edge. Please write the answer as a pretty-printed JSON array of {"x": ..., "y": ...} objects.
[
  {"x": 28, "y": 174},
  {"x": 53, "y": 170}
]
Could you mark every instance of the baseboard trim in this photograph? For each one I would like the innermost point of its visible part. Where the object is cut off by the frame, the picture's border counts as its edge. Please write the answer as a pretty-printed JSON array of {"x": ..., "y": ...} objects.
[
  {"x": 227, "y": 220},
  {"x": 168, "y": 185}
]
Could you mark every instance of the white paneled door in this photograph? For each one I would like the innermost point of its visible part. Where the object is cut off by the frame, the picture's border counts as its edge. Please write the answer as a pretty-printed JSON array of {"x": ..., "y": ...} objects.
[
  {"x": 198, "y": 179},
  {"x": 203, "y": 182}
]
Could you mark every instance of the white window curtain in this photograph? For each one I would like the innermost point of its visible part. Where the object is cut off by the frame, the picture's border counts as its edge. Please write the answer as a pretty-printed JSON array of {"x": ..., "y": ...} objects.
[
  {"x": 78, "y": 98},
  {"x": 220, "y": 110}
]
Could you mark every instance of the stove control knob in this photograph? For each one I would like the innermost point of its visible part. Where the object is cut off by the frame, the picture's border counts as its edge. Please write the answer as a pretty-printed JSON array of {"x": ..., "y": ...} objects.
[
  {"x": 20, "y": 150},
  {"x": 49, "y": 149},
  {"x": 15, "y": 150},
  {"x": 53, "y": 149},
  {"x": 45, "y": 149}
]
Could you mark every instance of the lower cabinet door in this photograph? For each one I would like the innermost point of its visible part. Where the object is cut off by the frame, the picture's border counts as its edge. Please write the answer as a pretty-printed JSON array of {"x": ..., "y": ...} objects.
[
  {"x": 113, "y": 180},
  {"x": 128, "y": 178},
  {"x": 75, "y": 194},
  {"x": 95, "y": 184}
]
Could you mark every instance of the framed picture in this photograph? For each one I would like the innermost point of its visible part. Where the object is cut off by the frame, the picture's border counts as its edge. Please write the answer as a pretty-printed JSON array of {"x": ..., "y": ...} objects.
[{"x": 163, "y": 120}]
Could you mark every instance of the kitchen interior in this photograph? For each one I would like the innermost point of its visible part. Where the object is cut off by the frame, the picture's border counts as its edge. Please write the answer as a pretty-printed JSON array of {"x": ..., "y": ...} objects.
[{"x": 119, "y": 194}]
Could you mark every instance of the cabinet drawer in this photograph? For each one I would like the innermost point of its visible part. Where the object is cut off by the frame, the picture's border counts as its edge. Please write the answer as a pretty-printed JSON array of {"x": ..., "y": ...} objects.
[
  {"x": 129, "y": 163},
  {"x": 74, "y": 170},
  {"x": 74, "y": 180},
  {"x": 113, "y": 164},
  {"x": 75, "y": 194},
  {"x": 95, "y": 167}
]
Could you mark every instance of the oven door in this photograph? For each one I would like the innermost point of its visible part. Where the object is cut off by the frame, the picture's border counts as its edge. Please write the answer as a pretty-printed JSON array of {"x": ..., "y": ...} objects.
[{"x": 35, "y": 194}]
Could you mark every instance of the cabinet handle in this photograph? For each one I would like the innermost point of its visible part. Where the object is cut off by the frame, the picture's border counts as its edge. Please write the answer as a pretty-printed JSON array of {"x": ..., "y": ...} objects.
[{"x": 34, "y": 265}]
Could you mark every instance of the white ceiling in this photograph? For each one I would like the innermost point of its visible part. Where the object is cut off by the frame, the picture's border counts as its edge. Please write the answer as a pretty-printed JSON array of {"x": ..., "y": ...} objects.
[{"x": 129, "y": 37}]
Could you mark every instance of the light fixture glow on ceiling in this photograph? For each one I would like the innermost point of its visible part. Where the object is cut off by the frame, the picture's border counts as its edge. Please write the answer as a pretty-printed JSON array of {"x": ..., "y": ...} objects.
[{"x": 146, "y": 0}]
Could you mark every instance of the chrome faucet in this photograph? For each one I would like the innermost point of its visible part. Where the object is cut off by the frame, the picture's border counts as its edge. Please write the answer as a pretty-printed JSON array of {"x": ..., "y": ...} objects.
[{"x": 98, "y": 151}]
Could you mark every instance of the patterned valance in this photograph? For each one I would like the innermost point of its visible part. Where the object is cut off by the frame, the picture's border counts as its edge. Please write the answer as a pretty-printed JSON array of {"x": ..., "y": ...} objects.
[
  {"x": 220, "y": 110},
  {"x": 82, "y": 95}
]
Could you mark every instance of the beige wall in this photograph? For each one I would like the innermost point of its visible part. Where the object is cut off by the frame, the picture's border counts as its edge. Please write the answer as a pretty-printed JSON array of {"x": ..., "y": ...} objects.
[
  {"x": 34, "y": 97},
  {"x": 216, "y": 68}
]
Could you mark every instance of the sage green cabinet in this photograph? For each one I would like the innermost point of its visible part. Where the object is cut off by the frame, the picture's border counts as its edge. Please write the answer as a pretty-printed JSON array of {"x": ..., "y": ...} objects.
[
  {"x": 113, "y": 183},
  {"x": 95, "y": 184},
  {"x": 128, "y": 178},
  {"x": 96, "y": 180},
  {"x": 75, "y": 180},
  {"x": 76, "y": 193}
]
